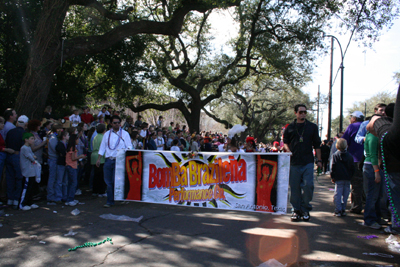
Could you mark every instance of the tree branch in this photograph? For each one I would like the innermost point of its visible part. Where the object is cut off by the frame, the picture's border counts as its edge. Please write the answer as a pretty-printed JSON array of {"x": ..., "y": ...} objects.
[
  {"x": 85, "y": 45},
  {"x": 102, "y": 10},
  {"x": 224, "y": 122}
]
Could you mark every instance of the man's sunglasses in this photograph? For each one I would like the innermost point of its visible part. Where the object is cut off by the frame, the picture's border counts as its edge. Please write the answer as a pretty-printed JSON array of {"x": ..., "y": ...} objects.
[
  {"x": 116, "y": 122},
  {"x": 303, "y": 112}
]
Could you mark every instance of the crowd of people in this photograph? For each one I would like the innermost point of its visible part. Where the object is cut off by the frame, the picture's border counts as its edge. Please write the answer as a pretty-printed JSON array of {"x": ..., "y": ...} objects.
[
  {"x": 52, "y": 157},
  {"x": 61, "y": 155}
]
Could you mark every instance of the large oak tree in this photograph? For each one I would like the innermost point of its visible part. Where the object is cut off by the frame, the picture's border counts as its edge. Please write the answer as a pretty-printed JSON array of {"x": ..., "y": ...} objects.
[{"x": 49, "y": 49}]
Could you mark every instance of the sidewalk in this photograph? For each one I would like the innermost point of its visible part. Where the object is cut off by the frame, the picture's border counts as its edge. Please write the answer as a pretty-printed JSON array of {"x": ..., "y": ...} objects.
[{"x": 184, "y": 236}]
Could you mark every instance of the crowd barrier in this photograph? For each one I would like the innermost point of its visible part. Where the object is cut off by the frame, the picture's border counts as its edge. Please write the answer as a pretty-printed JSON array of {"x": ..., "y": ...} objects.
[{"x": 221, "y": 180}]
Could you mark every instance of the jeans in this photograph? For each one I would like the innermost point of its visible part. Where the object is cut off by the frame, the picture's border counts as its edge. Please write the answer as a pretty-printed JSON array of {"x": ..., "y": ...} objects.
[
  {"x": 72, "y": 181},
  {"x": 14, "y": 177},
  {"x": 52, "y": 194},
  {"x": 342, "y": 192},
  {"x": 3, "y": 157},
  {"x": 62, "y": 182},
  {"x": 372, "y": 190},
  {"x": 109, "y": 179},
  {"x": 356, "y": 189},
  {"x": 393, "y": 182},
  {"x": 301, "y": 181}
]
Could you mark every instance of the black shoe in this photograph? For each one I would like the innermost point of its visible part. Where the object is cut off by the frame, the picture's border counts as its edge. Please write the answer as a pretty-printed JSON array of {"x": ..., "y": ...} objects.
[
  {"x": 305, "y": 216},
  {"x": 356, "y": 211},
  {"x": 295, "y": 216}
]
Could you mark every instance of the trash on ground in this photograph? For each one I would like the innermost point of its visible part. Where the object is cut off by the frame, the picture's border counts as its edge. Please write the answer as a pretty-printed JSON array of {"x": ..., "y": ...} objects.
[
  {"x": 54, "y": 211},
  {"x": 33, "y": 236},
  {"x": 271, "y": 263},
  {"x": 331, "y": 189},
  {"x": 42, "y": 242},
  {"x": 393, "y": 244},
  {"x": 75, "y": 212},
  {"x": 367, "y": 236},
  {"x": 123, "y": 218},
  {"x": 1, "y": 225},
  {"x": 379, "y": 254},
  {"x": 92, "y": 244},
  {"x": 8, "y": 215},
  {"x": 71, "y": 233},
  {"x": 81, "y": 203}
]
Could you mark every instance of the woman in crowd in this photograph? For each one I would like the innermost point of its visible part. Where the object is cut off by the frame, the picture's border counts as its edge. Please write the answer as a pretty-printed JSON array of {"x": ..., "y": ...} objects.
[
  {"x": 250, "y": 144},
  {"x": 38, "y": 145},
  {"x": 99, "y": 186},
  {"x": 71, "y": 162}
]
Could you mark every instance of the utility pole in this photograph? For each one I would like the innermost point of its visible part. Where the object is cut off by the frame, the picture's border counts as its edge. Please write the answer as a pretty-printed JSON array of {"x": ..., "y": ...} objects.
[
  {"x": 330, "y": 94},
  {"x": 341, "y": 80},
  {"x": 365, "y": 109}
]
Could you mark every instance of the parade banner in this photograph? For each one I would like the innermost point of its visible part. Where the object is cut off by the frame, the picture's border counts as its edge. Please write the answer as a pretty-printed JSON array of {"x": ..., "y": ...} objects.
[{"x": 235, "y": 181}]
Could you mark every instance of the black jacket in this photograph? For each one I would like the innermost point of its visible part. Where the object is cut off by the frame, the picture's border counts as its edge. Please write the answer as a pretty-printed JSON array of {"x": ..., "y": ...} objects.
[{"x": 342, "y": 166}]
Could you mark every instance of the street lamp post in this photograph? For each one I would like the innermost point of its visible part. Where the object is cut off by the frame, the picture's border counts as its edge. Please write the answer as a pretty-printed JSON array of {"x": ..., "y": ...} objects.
[{"x": 341, "y": 86}]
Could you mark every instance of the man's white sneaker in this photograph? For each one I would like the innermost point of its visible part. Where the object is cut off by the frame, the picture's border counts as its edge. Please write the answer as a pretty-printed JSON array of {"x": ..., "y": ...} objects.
[
  {"x": 34, "y": 206},
  {"x": 25, "y": 208},
  {"x": 76, "y": 201},
  {"x": 78, "y": 192}
]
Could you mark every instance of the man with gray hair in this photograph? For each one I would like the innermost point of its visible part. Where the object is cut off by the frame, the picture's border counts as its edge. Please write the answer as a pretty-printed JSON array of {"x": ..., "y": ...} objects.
[{"x": 13, "y": 172}]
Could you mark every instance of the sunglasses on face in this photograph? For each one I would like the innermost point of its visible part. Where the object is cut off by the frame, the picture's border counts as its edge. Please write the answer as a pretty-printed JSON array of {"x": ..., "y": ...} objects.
[
  {"x": 303, "y": 112},
  {"x": 116, "y": 122}
]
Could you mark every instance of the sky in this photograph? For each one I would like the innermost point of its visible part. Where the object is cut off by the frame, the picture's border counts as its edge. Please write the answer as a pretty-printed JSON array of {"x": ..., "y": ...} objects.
[{"x": 367, "y": 71}]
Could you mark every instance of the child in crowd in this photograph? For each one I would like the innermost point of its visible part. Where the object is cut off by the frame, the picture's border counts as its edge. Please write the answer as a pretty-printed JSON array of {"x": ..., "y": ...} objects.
[
  {"x": 27, "y": 163},
  {"x": 175, "y": 146},
  {"x": 342, "y": 171},
  {"x": 71, "y": 161}
]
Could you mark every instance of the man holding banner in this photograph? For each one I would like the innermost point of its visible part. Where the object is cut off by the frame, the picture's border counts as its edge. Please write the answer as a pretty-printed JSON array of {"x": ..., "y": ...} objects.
[
  {"x": 113, "y": 140},
  {"x": 300, "y": 137}
]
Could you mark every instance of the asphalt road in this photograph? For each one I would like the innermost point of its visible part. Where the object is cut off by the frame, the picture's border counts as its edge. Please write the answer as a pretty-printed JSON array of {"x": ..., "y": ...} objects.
[{"x": 186, "y": 236}]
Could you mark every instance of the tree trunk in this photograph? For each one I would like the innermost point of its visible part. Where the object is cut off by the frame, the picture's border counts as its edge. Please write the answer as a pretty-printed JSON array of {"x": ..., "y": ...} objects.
[
  {"x": 44, "y": 59},
  {"x": 194, "y": 120}
]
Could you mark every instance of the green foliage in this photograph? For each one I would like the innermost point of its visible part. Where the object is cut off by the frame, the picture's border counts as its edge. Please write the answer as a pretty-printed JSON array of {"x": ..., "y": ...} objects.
[
  {"x": 264, "y": 105},
  {"x": 18, "y": 20},
  {"x": 367, "y": 105}
]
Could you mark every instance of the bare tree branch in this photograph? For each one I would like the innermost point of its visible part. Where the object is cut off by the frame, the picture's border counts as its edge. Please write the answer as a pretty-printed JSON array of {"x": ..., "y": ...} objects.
[{"x": 224, "y": 122}]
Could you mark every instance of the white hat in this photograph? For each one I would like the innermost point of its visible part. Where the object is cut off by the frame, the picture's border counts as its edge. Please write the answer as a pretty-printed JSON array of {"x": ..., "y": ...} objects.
[
  {"x": 23, "y": 119},
  {"x": 357, "y": 114}
]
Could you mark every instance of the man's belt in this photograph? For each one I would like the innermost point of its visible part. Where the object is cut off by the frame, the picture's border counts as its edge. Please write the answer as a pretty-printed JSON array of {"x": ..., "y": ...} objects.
[{"x": 111, "y": 158}]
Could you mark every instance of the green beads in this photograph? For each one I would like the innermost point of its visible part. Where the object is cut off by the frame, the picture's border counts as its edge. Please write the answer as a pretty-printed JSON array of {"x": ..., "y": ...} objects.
[{"x": 92, "y": 244}]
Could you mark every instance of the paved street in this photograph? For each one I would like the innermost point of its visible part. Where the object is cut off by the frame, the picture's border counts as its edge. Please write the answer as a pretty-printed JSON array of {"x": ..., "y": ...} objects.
[{"x": 183, "y": 236}]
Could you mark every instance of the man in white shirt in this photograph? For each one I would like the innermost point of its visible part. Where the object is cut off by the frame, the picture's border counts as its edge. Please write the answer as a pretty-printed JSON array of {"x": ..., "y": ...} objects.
[
  {"x": 75, "y": 119},
  {"x": 103, "y": 112},
  {"x": 113, "y": 140}
]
